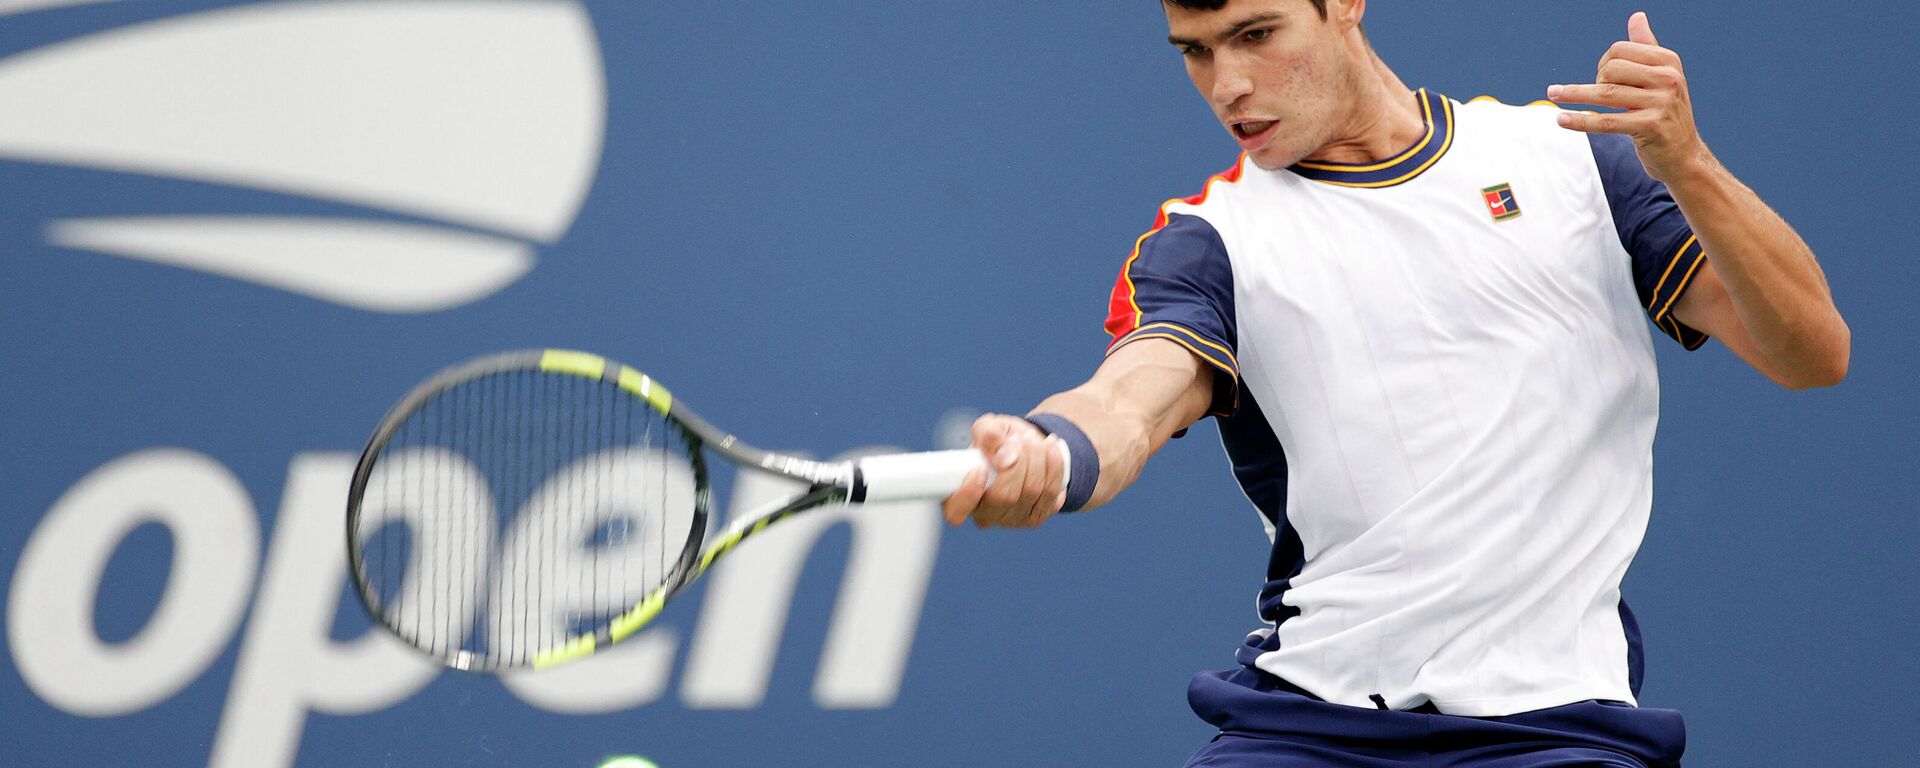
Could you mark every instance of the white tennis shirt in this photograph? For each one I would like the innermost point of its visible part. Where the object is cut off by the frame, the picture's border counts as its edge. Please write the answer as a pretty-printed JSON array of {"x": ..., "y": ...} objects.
[{"x": 1438, "y": 388}]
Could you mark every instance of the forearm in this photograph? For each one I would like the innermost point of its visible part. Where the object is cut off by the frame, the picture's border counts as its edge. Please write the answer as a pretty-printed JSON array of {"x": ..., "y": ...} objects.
[
  {"x": 1142, "y": 393},
  {"x": 1761, "y": 292},
  {"x": 1146, "y": 392},
  {"x": 1123, "y": 440},
  {"x": 1773, "y": 282}
]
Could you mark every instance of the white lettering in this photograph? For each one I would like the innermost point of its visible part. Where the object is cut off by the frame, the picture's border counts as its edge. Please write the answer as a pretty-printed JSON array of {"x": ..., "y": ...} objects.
[
  {"x": 447, "y": 557},
  {"x": 216, "y": 541},
  {"x": 642, "y": 501},
  {"x": 288, "y": 665},
  {"x": 874, "y": 620}
]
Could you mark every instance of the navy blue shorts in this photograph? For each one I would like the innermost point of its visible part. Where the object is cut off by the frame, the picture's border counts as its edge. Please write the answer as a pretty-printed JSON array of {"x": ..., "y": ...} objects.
[{"x": 1266, "y": 723}]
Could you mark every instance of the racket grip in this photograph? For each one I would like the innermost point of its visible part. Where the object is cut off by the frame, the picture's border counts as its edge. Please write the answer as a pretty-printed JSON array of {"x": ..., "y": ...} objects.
[{"x": 927, "y": 475}]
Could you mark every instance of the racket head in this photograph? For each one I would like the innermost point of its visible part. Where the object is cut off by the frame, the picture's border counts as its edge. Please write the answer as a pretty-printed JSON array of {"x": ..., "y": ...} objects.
[{"x": 526, "y": 508}]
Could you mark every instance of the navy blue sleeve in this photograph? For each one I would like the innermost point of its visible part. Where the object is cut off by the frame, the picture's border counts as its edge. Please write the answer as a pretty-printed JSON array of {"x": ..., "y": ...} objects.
[
  {"x": 1178, "y": 285},
  {"x": 1666, "y": 254}
]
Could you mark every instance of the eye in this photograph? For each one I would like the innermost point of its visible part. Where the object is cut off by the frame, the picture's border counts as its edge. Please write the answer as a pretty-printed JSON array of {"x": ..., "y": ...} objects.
[
  {"x": 1191, "y": 51},
  {"x": 1258, "y": 35}
]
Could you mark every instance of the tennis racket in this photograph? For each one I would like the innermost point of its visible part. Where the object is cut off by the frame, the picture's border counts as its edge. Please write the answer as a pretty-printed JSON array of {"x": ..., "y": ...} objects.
[{"x": 531, "y": 508}]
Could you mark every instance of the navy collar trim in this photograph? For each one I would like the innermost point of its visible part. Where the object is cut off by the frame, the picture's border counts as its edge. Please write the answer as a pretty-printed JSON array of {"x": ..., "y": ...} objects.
[{"x": 1436, "y": 111}]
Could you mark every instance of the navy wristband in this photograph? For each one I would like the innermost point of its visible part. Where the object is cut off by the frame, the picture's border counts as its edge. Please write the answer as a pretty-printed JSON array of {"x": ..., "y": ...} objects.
[{"x": 1083, "y": 470}]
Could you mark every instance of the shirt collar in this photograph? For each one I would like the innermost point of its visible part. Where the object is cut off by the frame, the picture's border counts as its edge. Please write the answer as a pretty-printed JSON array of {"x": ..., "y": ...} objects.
[{"x": 1436, "y": 111}]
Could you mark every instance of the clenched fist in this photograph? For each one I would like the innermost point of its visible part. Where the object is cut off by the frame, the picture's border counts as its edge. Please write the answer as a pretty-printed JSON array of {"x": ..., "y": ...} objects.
[{"x": 1027, "y": 484}]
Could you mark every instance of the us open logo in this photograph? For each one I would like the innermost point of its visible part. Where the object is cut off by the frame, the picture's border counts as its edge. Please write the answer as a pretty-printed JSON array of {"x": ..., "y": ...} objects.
[
  {"x": 412, "y": 107},
  {"x": 324, "y": 100}
]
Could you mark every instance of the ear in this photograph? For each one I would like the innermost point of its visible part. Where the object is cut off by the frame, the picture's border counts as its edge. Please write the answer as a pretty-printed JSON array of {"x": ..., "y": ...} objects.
[{"x": 1349, "y": 14}]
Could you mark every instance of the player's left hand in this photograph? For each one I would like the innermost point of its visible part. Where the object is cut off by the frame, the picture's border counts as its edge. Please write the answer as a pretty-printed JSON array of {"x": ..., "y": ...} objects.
[{"x": 1645, "y": 80}]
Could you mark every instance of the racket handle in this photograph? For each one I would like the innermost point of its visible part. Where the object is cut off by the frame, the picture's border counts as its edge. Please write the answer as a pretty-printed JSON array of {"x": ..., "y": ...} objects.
[{"x": 927, "y": 475}]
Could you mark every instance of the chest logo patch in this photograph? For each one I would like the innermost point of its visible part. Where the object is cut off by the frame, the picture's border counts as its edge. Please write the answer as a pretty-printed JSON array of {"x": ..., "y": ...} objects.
[{"x": 1501, "y": 202}]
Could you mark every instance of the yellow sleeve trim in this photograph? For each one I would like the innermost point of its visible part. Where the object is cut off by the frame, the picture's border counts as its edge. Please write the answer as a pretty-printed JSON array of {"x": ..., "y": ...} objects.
[
  {"x": 1231, "y": 361},
  {"x": 1230, "y": 368},
  {"x": 1681, "y": 288},
  {"x": 1671, "y": 263},
  {"x": 1224, "y": 368}
]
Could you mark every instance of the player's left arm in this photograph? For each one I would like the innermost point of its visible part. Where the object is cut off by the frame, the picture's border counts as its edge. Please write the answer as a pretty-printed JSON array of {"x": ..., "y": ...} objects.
[{"x": 1761, "y": 292}]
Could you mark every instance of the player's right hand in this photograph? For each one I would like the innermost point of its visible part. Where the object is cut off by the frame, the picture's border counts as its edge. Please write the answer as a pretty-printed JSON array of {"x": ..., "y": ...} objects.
[{"x": 1027, "y": 480}]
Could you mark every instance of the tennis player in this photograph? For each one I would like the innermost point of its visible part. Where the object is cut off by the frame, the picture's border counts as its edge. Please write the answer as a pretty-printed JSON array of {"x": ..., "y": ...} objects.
[{"x": 1422, "y": 326}]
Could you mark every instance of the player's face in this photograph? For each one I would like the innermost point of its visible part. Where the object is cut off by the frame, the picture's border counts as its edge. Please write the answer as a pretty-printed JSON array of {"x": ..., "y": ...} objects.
[{"x": 1273, "y": 71}]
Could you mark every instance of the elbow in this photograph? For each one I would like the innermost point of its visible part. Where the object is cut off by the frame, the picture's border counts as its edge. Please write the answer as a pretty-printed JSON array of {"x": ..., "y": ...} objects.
[
  {"x": 1820, "y": 379},
  {"x": 1828, "y": 369}
]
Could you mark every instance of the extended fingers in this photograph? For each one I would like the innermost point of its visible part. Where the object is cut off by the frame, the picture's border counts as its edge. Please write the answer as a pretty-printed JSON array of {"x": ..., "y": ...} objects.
[
  {"x": 1602, "y": 122},
  {"x": 1605, "y": 95},
  {"x": 1646, "y": 80},
  {"x": 1657, "y": 77},
  {"x": 1634, "y": 75}
]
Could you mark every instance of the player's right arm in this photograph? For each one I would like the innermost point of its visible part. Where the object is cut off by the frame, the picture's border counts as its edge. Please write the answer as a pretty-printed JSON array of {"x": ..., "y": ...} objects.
[{"x": 1146, "y": 391}]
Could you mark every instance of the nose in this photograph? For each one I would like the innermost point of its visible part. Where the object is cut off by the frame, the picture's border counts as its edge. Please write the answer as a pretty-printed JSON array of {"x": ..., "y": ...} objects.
[{"x": 1231, "y": 80}]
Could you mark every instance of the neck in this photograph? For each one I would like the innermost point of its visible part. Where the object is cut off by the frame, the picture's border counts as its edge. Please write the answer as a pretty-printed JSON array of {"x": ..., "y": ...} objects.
[{"x": 1383, "y": 118}]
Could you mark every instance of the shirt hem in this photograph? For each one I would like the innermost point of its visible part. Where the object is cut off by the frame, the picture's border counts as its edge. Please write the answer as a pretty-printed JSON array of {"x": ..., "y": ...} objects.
[{"x": 1502, "y": 706}]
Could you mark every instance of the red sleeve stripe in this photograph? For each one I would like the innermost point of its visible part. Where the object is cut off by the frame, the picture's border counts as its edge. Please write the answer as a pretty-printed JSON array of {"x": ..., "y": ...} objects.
[{"x": 1123, "y": 308}]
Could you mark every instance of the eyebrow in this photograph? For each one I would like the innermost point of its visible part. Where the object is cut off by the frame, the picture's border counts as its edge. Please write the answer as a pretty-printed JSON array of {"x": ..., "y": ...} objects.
[{"x": 1237, "y": 28}]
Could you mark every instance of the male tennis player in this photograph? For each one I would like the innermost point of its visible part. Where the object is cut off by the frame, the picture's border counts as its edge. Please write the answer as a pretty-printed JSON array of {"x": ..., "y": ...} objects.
[{"x": 1422, "y": 326}]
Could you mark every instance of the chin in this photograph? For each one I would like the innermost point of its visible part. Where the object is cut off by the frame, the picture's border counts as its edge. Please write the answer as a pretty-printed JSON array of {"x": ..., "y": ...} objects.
[
  {"x": 1272, "y": 158},
  {"x": 1261, "y": 160}
]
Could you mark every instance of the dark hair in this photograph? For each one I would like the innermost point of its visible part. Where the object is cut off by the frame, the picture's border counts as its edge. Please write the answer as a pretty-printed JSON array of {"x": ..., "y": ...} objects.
[{"x": 1214, "y": 5}]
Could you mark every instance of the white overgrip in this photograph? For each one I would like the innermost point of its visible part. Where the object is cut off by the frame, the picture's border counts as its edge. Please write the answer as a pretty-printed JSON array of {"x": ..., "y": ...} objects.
[
  {"x": 933, "y": 474},
  {"x": 927, "y": 475}
]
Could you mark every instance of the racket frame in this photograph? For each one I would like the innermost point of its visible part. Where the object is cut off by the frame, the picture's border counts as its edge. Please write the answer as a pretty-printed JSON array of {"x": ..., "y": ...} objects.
[
  {"x": 696, "y": 432},
  {"x": 922, "y": 475}
]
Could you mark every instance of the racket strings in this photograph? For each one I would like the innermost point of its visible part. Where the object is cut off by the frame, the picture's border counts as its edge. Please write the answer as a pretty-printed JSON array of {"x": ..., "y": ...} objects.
[{"x": 513, "y": 511}]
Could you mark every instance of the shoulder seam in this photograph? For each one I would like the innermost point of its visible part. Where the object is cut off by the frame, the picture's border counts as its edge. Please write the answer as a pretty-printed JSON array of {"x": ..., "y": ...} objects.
[{"x": 1229, "y": 176}]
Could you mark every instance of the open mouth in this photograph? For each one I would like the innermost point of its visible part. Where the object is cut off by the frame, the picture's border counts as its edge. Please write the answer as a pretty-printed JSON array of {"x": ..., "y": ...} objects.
[
  {"x": 1251, "y": 129},
  {"x": 1253, "y": 134}
]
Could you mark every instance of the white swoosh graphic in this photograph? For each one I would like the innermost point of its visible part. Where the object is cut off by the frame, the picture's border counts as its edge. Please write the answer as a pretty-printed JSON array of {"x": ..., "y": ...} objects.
[
  {"x": 373, "y": 265},
  {"x": 8, "y": 7},
  {"x": 486, "y": 112}
]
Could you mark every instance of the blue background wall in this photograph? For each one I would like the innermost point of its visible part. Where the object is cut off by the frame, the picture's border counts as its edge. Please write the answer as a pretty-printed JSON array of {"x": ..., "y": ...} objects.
[{"x": 827, "y": 226}]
